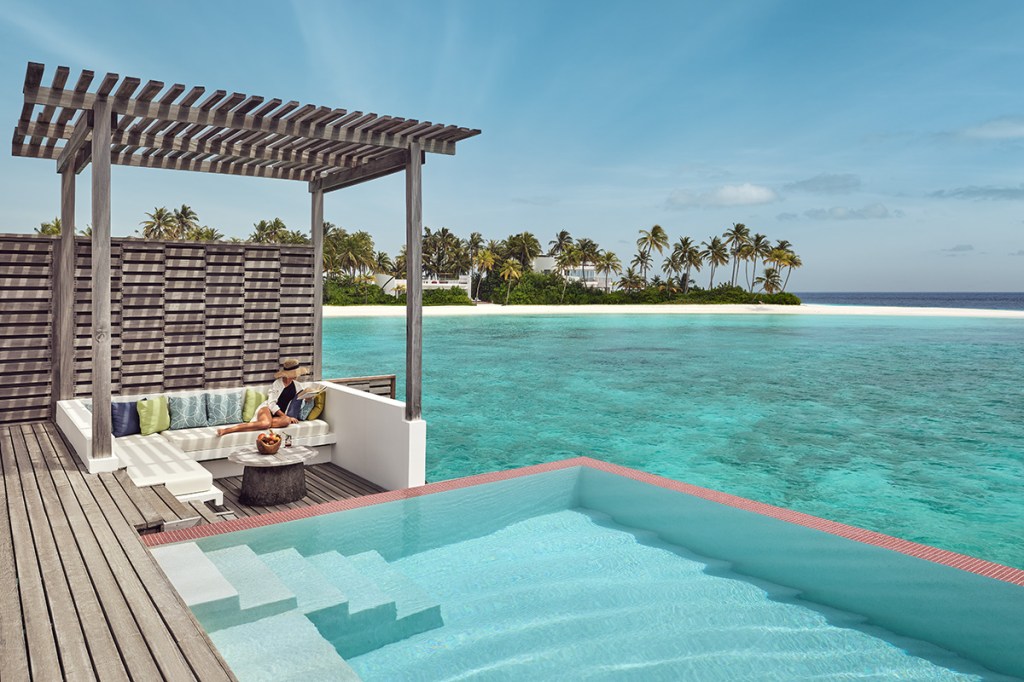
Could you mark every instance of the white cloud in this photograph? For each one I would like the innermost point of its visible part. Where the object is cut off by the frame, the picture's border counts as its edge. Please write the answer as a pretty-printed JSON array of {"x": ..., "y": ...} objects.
[
  {"x": 869, "y": 212},
  {"x": 1007, "y": 128},
  {"x": 746, "y": 194},
  {"x": 827, "y": 183}
]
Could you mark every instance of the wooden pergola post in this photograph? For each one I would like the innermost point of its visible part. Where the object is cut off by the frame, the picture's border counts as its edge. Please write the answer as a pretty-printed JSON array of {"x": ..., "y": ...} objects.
[
  {"x": 63, "y": 366},
  {"x": 101, "y": 364},
  {"x": 414, "y": 283},
  {"x": 317, "y": 230}
]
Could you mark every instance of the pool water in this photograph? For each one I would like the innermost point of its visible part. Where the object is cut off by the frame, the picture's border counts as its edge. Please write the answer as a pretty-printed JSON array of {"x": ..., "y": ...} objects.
[
  {"x": 572, "y": 596},
  {"x": 913, "y": 427},
  {"x": 584, "y": 573}
]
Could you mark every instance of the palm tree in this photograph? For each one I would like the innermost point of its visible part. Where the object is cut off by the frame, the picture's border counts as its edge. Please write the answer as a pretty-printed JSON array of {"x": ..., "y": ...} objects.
[
  {"x": 715, "y": 254},
  {"x": 484, "y": 262},
  {"x": 631, "y": 281},
  {"x": 160, "y": 225},
  {"x": 268, "y": 231},
  {"x": 770, "y": 280},
  {"x": 760, "y": 247},
  {"x": 672, "y": 265},
  {"x": 50, "y": 229},
  {"x": 511, "y": 269},
  {"x": 693, "y": 259},
  {"x": 382, "y": 263},
  {"x": 589, "y": 251},
  {"x": 472, "y": 247},
  {"x": 736, "y": 239},
  {"x": 524, "y": 247},
  {"x": 202, "y": 234},
  {"x": 643, "y": 262},
  {"x": 568, "y": 259},
  {"x": 607, "y": 263},
  {"x": 185, "y": 222},
  {"x": 687, "y": 256},
  {"x": 655, "y": 238},
  {"x": 792, "y": 261},
  {"x": 560, "y": 243},
  {"x": 400, "y": 263}
]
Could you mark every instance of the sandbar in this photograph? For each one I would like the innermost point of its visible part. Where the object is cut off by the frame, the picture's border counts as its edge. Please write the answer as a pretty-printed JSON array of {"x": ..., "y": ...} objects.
[{"x": 739, "y": 309}]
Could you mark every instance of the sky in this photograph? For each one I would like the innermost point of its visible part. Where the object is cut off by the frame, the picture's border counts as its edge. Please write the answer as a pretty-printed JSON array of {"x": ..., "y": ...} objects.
[{"x": 884, "y": 140}]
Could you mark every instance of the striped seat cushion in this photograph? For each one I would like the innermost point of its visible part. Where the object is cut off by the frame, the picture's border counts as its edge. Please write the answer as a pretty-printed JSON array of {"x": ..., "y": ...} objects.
[
  {"x": 151, "y": 460},
  {"x": 206, "y": 438}
]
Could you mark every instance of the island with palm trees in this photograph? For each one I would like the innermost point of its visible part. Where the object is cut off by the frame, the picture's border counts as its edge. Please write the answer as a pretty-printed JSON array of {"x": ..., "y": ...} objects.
[{"x": 517, "y": 270}]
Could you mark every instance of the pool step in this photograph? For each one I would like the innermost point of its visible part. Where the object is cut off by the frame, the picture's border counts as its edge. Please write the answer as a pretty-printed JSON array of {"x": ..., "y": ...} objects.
[
  {"x": 260, "y": 592},
  {"x": 296, "y": 652},
  {"x": 313, "y": 592},
  {"x": 199, "y": 582},
  {"x": 384, "y": 606},
  {"x": 357, "y": 603}
]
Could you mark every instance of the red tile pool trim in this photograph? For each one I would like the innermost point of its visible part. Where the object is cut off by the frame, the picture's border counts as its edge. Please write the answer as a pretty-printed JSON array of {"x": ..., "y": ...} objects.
[{"x": 940, "y": 556}]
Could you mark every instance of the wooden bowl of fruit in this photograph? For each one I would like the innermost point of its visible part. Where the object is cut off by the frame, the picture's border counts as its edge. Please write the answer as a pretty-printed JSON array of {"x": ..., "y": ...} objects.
[{"x": 268, "y": 443}]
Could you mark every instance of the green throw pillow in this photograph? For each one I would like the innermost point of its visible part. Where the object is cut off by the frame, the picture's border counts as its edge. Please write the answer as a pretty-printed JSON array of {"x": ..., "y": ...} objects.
[
  {"x": 318, "y": 405},
  {"x": 153, "y": 415},
  {"x": 253, "y": 399}
]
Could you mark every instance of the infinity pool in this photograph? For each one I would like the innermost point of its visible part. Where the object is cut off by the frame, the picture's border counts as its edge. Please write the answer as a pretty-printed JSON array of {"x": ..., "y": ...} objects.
[{"x": 583, "y": 570}]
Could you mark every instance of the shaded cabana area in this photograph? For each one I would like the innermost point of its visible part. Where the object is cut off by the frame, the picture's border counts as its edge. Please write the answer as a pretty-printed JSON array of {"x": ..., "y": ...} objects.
[{"x": 124, "y": 121}]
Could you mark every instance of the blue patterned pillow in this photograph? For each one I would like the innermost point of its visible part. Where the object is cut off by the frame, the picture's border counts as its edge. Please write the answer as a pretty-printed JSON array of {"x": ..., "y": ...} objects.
[
  {"x": 187, "y": 411},
  {"x": 224, "y": 408},
  {"x": 300, "y": 409},
  {"x": 124, "y": 419}
]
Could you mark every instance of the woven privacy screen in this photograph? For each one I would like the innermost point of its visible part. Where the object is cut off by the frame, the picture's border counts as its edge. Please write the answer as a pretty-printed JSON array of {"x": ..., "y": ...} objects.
[{"x": 183, "y": 315}]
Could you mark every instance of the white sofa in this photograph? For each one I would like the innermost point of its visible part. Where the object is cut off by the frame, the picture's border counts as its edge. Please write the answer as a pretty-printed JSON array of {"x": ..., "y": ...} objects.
[
  {"x": 364, "y": 433},
  {"x": 173, "y": 457}
]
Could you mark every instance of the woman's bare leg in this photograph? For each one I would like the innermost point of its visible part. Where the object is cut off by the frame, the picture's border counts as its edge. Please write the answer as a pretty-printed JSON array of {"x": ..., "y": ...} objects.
[
  {"x": 283, "y": 421},
  {"x": 263, "y": 421}
]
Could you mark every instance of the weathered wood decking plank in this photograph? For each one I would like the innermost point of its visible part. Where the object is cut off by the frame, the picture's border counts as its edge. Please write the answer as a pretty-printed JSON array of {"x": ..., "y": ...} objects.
[
  {"x": 14, "y": 662},
  {"x": 142, "y": 642},
  {"x": 181, "y": 647},
  {"x": 39, "y": 637},
  {"x": 68, "y": 636},
  {"x": 101, "y": 646},
  {"x": 139, "y": 499},
  {"x": 80, "y": 595},
  {"x": 324, "y": 483}
]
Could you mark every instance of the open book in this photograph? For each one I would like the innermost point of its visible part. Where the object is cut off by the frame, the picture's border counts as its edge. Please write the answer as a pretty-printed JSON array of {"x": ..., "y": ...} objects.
[{"x": 310, "y": 391}]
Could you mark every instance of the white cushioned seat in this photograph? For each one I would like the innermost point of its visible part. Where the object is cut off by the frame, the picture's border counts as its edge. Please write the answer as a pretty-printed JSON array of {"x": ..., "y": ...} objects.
[
  {"x": 151, "y": 460},
  {"x": 205, "y": 438}
]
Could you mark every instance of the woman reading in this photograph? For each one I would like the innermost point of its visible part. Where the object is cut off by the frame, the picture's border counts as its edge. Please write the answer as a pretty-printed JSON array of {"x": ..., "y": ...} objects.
[{"x": 273, "y": 412}]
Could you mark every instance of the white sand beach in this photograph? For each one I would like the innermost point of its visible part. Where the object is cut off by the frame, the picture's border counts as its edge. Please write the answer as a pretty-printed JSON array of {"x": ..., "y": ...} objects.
[{"x": 742, "y": 309}]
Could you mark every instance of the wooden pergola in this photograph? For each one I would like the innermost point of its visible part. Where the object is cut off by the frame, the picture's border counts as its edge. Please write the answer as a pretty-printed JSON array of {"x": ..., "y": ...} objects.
[{"x": 123, "y": 121}]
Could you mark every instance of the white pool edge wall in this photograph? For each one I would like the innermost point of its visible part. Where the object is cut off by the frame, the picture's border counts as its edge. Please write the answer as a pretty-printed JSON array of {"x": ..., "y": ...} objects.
[{"x": 969, "y": 606}]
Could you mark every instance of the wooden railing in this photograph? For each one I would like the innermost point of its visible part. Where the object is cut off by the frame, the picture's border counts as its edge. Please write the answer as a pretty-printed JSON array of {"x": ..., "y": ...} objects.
[{"x": 382, "y": 385}]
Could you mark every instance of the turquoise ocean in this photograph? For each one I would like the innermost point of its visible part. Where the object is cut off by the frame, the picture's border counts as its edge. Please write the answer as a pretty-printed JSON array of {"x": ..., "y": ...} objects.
[{"x": 909, "y": 426}]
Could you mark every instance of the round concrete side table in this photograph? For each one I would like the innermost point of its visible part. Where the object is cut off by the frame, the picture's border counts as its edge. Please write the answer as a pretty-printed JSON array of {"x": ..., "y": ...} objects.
[{"x": 268, "y": 480}]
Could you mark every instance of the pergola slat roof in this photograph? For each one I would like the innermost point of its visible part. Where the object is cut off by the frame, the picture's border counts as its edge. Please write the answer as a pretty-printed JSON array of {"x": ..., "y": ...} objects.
[{"x": 229, "y": 133}]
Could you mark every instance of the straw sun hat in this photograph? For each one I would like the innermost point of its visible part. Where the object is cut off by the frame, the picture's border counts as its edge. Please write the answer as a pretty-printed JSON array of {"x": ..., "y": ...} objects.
[{"x": 290, "y": 368}]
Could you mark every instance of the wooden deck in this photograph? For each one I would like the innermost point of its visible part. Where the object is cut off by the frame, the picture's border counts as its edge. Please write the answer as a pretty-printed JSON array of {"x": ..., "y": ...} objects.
[{"x": 80, "y": 595}]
